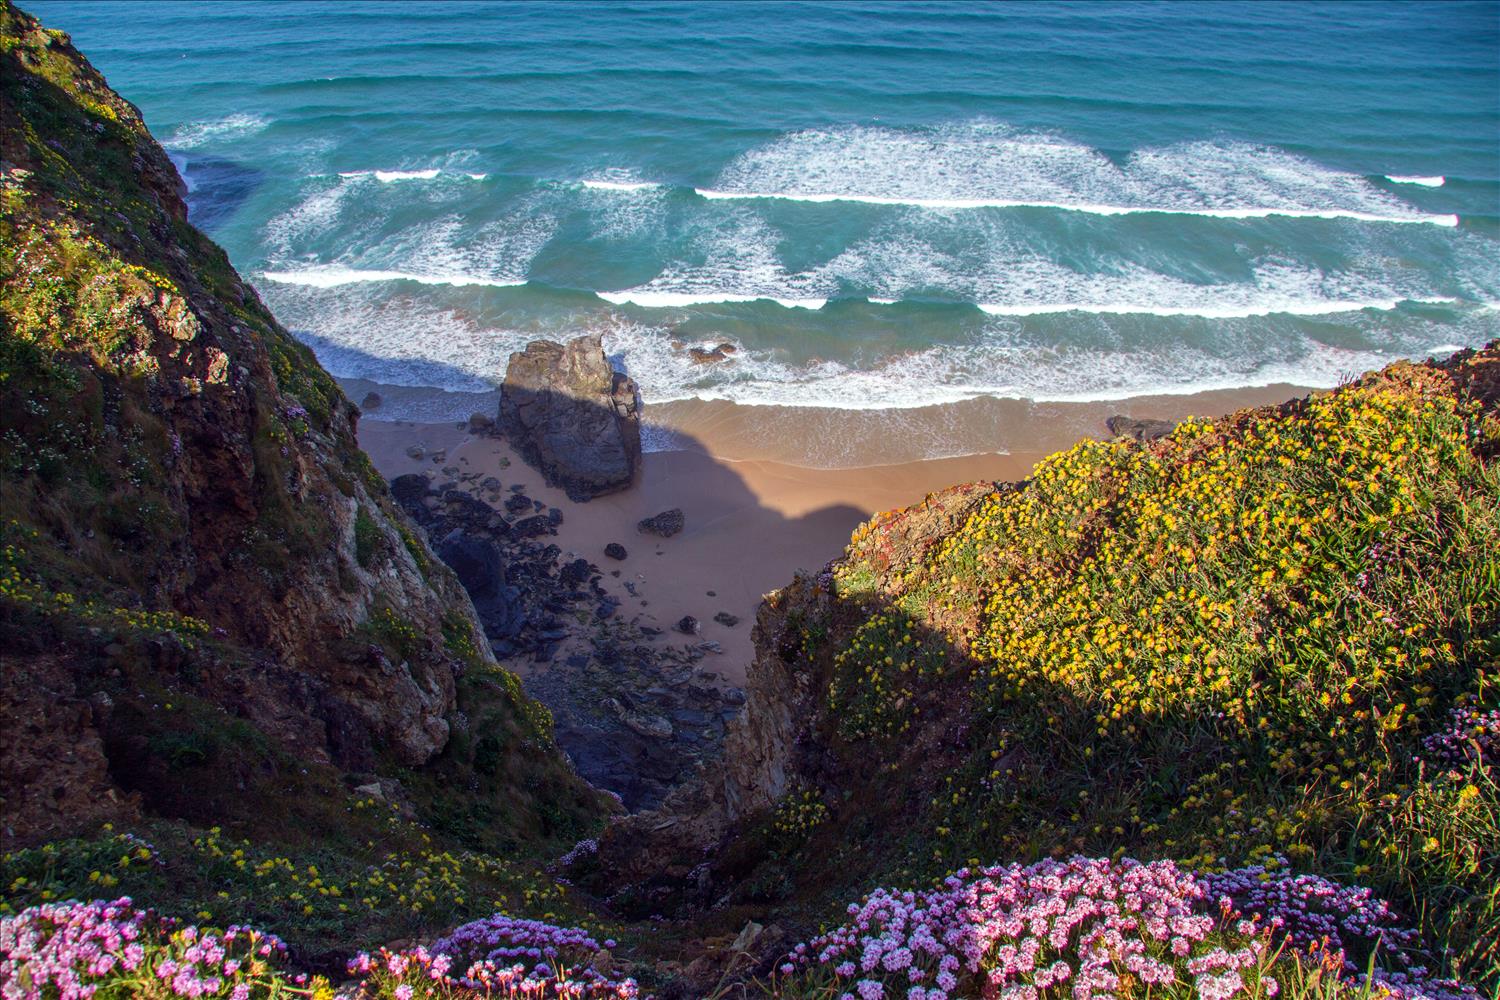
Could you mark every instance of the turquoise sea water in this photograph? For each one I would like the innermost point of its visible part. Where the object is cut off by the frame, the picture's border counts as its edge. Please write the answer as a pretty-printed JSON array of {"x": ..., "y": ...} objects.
[{"x": 881, "y": 205}]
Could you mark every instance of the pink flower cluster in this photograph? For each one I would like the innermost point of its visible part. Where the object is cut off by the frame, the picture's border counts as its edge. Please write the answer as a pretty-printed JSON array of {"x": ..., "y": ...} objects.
[
  {"x": 1469, "y": 736},
  {"x": 1347, "y": 923},
  {"x": 502, "y": 957},
  {"x": 71, "y": 950},
  {"x": 1081, "y": 927},
  {"x": 502, "y": 938},
  {"x": 1015, "y": 931},
  {"x": 1310, "y": 909},
  {"x": 583, "y": 849}
]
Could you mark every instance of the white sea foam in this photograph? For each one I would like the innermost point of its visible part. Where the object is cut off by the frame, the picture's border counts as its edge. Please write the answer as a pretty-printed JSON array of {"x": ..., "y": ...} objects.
[
  {"x": 424, "y": 174},
  {"x": 390, "y": 176},
  {"x": 673, "y": 300},
  {"x": 678, "y": 300},
  {"x": 1268, "y": 308},
  {"x": 1260, "y": 212},
  {"x": 361, "y": 330},
  {"x": 195, "y": 134},
  {"x": 986, "y": 165},
  {"x": 734, "y": 261},
  {"x": 1003, "y": 369},
  {"x": 181, "y": 163},
  {"x": 1431, "y": 182},
  {"x": 621, "y": 185},
  {"x": 331, "y": 276}
]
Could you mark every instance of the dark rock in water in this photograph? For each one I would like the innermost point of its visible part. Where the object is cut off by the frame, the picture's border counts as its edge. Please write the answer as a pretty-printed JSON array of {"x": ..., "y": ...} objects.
[
  {"x": 712, "y": 355},
  {"x": 409, "y": 489},
  {"x": 475, "y": 561},
  {"x": 615, "y": 551},
  {"x": 572, "y": 416},
  {"x": 481, "y": 423},
  {"x": 666, "y": 524},
  {"x": 371, "y": 401},
  {"x": 518, "y": 503},
  {"x": 733, "y": 696},
  {"x": 554, "y": 514},
  {"x": 726, "y": 619},
  {"x": 688, "y": 625},
  {"x": 1141, "y": 430}
]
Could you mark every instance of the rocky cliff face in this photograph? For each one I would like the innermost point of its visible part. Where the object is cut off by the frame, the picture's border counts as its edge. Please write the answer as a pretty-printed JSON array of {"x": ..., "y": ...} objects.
[{"x": 200, "y": 565}]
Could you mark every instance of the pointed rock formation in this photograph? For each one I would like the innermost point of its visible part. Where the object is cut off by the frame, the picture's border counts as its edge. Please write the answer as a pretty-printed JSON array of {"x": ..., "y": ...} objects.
[{"x": 572, "y": 416}]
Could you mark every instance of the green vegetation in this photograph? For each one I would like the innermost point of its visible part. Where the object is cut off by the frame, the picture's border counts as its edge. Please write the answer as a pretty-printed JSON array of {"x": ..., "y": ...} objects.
[{"x": 1224, "y": 648}]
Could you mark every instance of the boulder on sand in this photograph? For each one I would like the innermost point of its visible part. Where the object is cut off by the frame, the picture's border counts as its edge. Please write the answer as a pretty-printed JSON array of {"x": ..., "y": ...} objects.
[
  {"x": 572, "y": 416},
  {"x": 666, "y": 524},
  {"x": 1141, "y": 430}
]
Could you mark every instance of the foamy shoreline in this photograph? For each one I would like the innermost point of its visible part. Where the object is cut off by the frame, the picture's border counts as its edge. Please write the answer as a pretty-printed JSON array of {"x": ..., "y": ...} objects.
[{"x": 821, "y": 439}]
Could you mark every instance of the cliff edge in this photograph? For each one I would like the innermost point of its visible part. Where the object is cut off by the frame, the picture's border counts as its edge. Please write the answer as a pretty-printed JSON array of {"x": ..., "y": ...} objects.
[{"x": 205, "y": 587}]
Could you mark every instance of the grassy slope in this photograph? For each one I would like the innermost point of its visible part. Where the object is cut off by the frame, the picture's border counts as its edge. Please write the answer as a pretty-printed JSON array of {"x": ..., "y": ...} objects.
[
  {"x": 97, "y": 262},
  {"x": 1225, "y": 646}
]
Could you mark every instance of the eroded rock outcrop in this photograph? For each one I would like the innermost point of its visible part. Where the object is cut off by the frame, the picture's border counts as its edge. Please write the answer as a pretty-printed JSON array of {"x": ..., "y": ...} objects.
[
  {"x": 572, "y": 416},
  {"x": 190, "y": 529}
]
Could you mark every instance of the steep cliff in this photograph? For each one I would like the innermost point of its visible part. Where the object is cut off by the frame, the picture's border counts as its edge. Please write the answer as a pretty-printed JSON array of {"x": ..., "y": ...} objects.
[
  {"x": 207, "y": 591},
  {"x": 1266, "y": 639}
]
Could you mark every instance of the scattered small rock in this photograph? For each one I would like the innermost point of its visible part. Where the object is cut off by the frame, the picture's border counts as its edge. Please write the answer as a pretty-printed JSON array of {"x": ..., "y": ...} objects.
[
  {"x": 666, "y": 524},
  {"x": 518, "y": 503},
  {"x": 615, "y": 551},
  {"x": 371, "y": 401},
  {"x": 576, "y": 572},
  {"x": 688, "y": 625},
  {"x": 415, "y": 451},
  {"x": 481, "y": 423},
  {"x": 726, "y": 619}
]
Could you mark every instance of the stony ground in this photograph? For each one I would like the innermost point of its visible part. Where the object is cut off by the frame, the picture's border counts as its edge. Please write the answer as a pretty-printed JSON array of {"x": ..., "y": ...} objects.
[{"x": 636, "y": 707}]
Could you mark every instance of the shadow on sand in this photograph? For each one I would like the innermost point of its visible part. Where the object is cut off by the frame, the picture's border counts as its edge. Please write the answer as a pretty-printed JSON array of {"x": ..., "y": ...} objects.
[{"x": 637, "y": 702}]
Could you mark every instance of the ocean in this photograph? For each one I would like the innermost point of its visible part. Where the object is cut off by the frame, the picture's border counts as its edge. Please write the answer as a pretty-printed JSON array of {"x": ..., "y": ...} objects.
[{"x": 879, "y": 205}]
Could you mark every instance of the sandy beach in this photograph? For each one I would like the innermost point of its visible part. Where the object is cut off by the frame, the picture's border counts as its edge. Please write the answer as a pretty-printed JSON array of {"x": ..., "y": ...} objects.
[{"x": 751, "y": 523}]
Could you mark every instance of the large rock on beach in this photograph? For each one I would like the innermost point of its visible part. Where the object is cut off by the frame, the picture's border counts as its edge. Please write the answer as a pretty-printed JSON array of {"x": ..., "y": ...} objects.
[
  {"x": 1142, "y": 430},
  {"x": 572, "y": 416}
]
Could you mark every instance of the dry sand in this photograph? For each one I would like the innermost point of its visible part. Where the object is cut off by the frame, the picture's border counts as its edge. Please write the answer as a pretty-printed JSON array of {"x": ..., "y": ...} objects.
[{"x": 750, "y": 525}]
